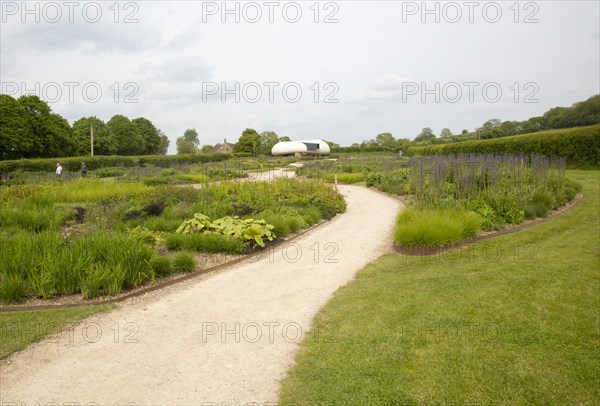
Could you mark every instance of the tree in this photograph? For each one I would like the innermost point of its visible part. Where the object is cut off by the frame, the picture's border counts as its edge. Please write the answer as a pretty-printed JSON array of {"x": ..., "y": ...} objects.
[
  {"x": 425, "y": 135},
  {"x": 149, "y": 134},
  {"x": 508, "y": 128},
  {"x": 59, "y": 136},
  {"x": 284, "y": 138},
  {"x": 248, "y": 142},
  {"x": 465, "y": 131},
  {"x": 267, "y": 140},
  {"x": 185, "y": 147},
  {"x": 191, "y": 135},
  {"x": 445, "y": 133},
  {"x": 534, "y": 124},
  {"x": 206, "y": 148},
  {"x": 51, "y": 132},
  {"x": 188, "y": 143},
  {"x": 103, "y": 143},
  {"x": 163, "y": 145},
  {"x": 16, "y": 135},
  {"x": 125, "y": 135},
  {"x": 485, "y": 131},
  {"x": 386, "y": 140}
]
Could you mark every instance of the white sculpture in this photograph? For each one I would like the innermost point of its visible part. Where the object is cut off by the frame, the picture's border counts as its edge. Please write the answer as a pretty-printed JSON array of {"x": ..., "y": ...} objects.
[{"x": 314, "y": 147}]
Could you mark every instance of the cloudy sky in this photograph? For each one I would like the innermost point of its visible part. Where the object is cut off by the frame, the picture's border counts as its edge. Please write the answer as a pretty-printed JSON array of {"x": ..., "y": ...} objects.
[{"x": 343, "y": 70}]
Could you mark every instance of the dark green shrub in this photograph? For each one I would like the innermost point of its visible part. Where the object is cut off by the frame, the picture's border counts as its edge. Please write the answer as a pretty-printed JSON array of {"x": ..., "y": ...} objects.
[
  {"x": 184, "y": 262},
  {"x": 155, "y": 208}
]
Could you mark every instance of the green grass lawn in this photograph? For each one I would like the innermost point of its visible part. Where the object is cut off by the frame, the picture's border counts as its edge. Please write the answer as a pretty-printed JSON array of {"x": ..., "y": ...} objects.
[
  {"x": 511, "y": 320},
  {"x": 19, "y": 329}
]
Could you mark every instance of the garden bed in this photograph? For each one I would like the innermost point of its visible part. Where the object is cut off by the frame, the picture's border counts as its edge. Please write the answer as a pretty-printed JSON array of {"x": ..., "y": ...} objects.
[
  {"x": 212, "y": 263},
  {"x": 428, "y": 251},
  {"x": 98, "y": 237}
]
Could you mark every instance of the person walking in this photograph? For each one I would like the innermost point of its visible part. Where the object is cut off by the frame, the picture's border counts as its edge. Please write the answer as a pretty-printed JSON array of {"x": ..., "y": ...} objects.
[
  {"x": 83, "y": 170},
  {"x": 58, "y": 170}
]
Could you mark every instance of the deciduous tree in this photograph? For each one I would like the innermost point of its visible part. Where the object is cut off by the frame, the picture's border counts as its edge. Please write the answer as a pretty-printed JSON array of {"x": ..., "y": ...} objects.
[
  {"x": 149, "y": 134},
  {"x": 248, "y": 142},
  {"x": 125, "y": 135},
  {"x": 16, "y": 135}
]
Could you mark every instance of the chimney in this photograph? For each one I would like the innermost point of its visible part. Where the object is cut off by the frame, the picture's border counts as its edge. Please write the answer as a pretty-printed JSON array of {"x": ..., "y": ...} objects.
[{"x": 224, "y": 140}]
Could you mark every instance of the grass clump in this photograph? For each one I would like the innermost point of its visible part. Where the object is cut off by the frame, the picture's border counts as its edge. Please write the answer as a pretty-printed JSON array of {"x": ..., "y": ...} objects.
[
  {"x": 213, "y": 243},
  {"x": 13, "y": 289},
  {"x": 184, "y": 262},
  {"x": 161, "y": 265},
  {"x": 417, "y": 227}
]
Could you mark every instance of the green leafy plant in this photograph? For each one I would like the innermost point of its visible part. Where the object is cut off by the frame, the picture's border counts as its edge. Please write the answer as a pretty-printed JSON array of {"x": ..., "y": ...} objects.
[
  {"x": 143, "y": 234},
  {"x": 485, "y": 211},
  {"x": 374, "y": 179},
  {"x": 197, "y": 224},
  {"x": 249, "y": 230}
]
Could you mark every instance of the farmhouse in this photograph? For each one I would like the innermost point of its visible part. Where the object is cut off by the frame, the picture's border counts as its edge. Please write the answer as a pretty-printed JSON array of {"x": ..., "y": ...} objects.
[{"x": 224, "y": 147}]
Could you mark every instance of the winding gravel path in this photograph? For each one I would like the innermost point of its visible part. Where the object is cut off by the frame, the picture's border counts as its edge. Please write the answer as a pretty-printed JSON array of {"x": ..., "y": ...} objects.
[{"x": 225, "y": 339}]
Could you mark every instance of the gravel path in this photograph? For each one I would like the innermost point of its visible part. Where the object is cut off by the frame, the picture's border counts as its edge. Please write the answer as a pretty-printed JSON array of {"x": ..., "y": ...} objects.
[{"x": 225, "y": 339}]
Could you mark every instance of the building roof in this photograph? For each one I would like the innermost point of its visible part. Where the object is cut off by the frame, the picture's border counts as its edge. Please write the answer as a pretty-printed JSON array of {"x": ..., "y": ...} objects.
[{"x": 224, "y": 147}]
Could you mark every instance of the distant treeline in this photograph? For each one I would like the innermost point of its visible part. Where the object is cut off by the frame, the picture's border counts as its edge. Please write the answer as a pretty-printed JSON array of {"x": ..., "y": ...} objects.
[{"x": 29, "y": 129}]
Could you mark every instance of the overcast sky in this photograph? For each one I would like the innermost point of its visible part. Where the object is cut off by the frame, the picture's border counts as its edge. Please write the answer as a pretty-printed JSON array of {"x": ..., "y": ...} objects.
[{"x": 343, "y": 71}]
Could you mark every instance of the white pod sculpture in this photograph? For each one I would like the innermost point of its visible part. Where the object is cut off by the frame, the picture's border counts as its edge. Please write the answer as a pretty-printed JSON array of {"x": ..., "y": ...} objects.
[{"x": 313, "y": 147}]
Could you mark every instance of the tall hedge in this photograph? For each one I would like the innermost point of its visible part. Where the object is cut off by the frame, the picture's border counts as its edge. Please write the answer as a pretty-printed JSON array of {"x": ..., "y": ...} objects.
[
  {"x": 580, "y": 146},
  {"x": 96, "y": 162}
]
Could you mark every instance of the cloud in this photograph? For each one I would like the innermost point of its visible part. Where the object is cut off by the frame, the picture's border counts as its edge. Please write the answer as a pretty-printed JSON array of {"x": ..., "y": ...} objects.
[
  {"x": 106, "y": 28},
  {"x": 176, "y": 70},
  {"x": 385, "y": 88}
]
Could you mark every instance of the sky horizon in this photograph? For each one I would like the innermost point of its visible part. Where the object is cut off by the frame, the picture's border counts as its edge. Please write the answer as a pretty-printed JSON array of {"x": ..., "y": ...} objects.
[{"x": 344, "y": 71}]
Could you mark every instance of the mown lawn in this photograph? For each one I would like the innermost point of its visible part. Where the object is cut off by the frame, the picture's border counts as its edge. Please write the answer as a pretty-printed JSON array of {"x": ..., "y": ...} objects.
[
  {"x": 19, "y": 329},
  {"x": 512, "y": 320}
]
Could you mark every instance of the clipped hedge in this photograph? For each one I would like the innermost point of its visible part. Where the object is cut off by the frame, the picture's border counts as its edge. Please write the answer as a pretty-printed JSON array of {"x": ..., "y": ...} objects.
[
  {"x": 102, "y": 161},
  {"x": 580, "y": 146}
]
